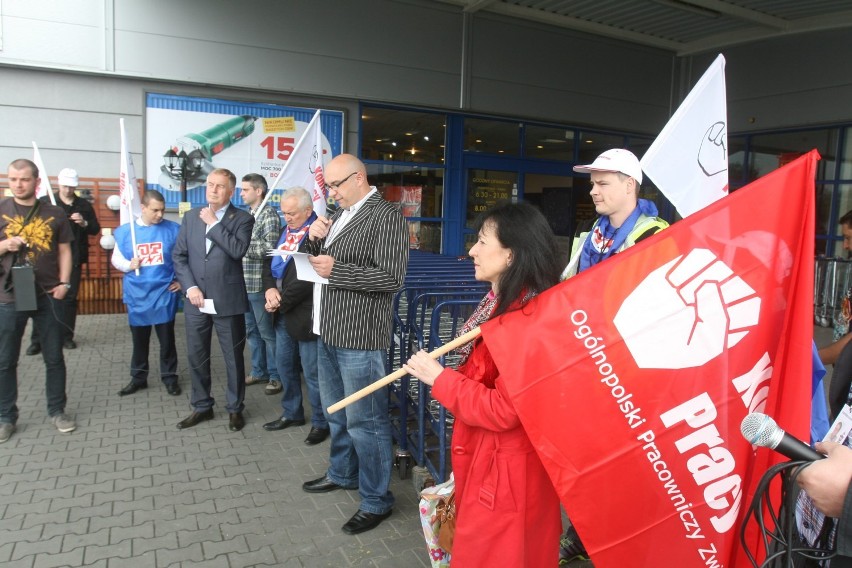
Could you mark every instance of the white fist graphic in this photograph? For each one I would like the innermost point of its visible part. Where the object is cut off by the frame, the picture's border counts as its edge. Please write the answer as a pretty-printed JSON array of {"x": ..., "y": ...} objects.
[{"x": 686, "y": 312}]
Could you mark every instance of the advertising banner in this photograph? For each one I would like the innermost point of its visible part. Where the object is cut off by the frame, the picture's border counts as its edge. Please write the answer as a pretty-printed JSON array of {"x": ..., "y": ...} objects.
[{"x": 243, "y": 137}]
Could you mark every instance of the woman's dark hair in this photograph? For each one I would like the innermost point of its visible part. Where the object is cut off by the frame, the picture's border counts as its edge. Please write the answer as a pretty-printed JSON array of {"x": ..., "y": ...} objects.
[{"x": 535, "y": 266}]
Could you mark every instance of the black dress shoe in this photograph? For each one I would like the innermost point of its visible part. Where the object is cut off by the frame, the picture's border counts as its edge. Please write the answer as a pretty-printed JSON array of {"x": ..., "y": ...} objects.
[
  {"x": 236, "y": 422},
  {"x": 69, "y": 344},
  {"x": 173, "y": 389},
  {"x": 322, "y": 485},
  {"x": 280, "y": 424},
  {"x": 132, "y": 388},
  {"x": 33, "y": 349},
  {"x": 316, "y": 436},
  {"x": 362, "y": 521},
  {"x": 195, "y": 418}
]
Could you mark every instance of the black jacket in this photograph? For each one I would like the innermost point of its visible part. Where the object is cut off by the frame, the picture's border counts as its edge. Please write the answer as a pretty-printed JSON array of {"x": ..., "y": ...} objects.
[{"x": 297, "y": 300}]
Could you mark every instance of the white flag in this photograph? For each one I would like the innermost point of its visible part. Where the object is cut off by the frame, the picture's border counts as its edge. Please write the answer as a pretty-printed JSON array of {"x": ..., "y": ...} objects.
[
  {"x": 129, "y": 191},
  {"x": 304, "y": 167},
  {"x": 44, "y": 185},
  {"x": 689, "y": 159}
]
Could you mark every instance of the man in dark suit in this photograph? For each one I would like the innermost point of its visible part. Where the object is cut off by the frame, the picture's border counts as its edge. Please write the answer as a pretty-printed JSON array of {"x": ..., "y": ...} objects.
[
  {"x": 363, "y": 251},
  {"x": 208, "y": 263}
]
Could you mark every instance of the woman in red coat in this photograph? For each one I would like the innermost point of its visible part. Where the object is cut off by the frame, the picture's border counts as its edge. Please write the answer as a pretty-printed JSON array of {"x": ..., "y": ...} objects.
[{"x": 507, "y": 512}]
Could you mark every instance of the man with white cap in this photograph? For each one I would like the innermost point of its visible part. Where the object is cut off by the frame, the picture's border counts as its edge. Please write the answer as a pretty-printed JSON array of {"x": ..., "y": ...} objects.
[
  {"x": 83, "y": 221},
  {"x": 624, "y": 218},
  {"x": 624, "y": 221}
]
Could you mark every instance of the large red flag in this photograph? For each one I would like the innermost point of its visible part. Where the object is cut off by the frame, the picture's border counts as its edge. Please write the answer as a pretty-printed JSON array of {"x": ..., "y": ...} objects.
[{"x": 633, "y": 377}]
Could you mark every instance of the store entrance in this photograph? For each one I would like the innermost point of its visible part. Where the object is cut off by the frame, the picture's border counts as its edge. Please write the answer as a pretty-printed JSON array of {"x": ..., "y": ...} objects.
[{"x": 563, "y": 199}]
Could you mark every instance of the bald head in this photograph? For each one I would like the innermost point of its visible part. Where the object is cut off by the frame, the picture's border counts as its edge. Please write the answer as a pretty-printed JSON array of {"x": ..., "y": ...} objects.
[{"x": 346, "y": 178}]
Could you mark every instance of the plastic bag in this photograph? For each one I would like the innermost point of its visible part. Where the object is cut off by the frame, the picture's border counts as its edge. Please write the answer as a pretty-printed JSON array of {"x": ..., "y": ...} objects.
[{"x": 432, "y": 502}]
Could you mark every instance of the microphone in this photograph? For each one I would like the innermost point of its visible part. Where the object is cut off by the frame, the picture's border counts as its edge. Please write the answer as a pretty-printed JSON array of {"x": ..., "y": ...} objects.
[{"x": 761, "y": 430}]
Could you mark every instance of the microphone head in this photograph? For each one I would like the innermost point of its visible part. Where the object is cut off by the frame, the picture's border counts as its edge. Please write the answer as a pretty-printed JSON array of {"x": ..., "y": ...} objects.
[{"x": 761, "y": 430}]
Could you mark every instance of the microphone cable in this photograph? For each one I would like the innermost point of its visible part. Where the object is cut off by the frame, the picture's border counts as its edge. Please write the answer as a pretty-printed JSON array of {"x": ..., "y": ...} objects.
[{"x": 782, "y": 545}]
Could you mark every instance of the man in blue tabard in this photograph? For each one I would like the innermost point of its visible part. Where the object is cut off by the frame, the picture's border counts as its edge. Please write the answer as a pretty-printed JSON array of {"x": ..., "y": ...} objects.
[{"x": 151, "y": 295}]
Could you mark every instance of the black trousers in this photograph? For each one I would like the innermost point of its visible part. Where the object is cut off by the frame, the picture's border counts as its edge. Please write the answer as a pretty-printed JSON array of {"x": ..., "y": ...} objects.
[
  {"x": 69, "y": 302},
  {"x": 141, "y": 335}
]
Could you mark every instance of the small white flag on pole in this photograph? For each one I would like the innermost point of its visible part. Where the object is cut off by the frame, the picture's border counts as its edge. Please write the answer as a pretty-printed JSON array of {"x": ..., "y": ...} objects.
[
  {"x": 130, "y": 210},
  {"x": 44, "y": 183},
  {"x": 689, "y": 159},
  {"x": 304, "y": 167},
  {"x": 128, "y": 189}
]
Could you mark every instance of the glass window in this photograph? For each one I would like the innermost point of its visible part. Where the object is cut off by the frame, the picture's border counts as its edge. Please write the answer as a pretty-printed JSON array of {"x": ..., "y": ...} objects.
[
  {"x": 487, "y": 188},
  {"x": 425, "y": 236},
  {"x": 549, "y": 143},
  {"x": 492, "y": 136},
  {"x": 771, "y": 151},
  {"x": 846, "y": 161},
  {"x": 593, "y": 144},
  {"x": 419, "y": 191},
  {"x": 402, "y": 135},
  {"x": 736, "y": 162},
  {"x": 639, "y": 145}
]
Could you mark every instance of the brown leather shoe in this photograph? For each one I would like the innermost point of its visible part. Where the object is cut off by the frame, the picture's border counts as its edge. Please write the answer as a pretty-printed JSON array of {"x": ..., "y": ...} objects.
[
  {"x": 195, "y": 418},
  {"x": 236, "y": 422}
]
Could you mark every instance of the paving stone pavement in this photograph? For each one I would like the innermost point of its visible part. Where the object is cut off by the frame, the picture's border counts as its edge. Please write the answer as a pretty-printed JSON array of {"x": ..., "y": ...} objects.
[{"x": 127, "y": 489}]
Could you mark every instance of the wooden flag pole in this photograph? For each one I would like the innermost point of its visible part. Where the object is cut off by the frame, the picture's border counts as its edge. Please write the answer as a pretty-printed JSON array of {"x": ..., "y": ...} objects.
[{"x": 399, "y": 373}]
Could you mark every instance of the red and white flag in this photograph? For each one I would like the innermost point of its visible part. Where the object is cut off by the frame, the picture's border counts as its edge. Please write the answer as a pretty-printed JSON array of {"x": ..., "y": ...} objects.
[
  {"x": 304, "y": 167},
  {"x": 44, "y": 183},
  {"x": 636, "y": 374},
  {"x": 689, "y": 159},
  {"x": 128, "y": 189}
]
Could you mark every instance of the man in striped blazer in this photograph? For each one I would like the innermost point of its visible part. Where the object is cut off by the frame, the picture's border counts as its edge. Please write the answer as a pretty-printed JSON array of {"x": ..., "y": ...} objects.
[{"x": 363, "y": 251}]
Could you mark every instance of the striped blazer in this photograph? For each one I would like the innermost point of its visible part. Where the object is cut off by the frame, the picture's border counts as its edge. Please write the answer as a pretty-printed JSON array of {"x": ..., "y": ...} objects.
[{"x": 370, "y": 259}]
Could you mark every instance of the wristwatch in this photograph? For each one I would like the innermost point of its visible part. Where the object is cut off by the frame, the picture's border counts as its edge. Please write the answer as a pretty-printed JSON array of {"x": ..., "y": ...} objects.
[{"x": 66, "y": 284}]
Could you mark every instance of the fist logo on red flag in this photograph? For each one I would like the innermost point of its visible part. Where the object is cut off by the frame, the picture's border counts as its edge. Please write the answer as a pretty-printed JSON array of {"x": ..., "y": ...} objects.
[{"x": 686, "y": 312}]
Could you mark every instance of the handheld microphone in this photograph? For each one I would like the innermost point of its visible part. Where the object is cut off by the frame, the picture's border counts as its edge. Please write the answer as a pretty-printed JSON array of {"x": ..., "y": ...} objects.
[{"x": 761, "y": 430}]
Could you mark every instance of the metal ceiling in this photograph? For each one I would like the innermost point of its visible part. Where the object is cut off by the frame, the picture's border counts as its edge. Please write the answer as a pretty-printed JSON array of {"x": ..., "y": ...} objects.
[{"x": 685, "y": 27}]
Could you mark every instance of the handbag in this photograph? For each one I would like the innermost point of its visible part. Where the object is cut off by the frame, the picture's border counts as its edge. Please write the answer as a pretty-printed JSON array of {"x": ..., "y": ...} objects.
[
  {"x": 447, "y": 519},
  {"x": 438, "y": 531}
]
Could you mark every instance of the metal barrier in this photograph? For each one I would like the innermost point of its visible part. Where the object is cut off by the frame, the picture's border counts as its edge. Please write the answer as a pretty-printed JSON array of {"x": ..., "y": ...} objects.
[
  {"x": 832, "y": 281},
  {"x": 432, "y": 286}
]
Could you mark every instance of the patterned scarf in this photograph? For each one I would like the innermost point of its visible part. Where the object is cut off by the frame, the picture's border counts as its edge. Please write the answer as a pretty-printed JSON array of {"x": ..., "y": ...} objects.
[
  {"x": 605, "y": 239},
  {"x": 480, "y": 315},
  {"x": 289, "y": 242}
]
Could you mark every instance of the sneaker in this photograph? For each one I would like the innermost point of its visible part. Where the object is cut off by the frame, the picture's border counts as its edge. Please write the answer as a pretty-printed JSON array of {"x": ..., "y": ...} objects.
[
  {"x": 6, "y": 431},
  {"x": 274, "y": 387},
  {"x": 571, "y": 548},
  {"x": 252, "y": 380},
  {"x": 64, "y": 423}
]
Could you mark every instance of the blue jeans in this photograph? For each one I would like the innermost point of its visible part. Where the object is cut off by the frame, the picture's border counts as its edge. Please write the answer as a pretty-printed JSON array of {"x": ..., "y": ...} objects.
[
  {"x": 47, "y": 318},
  {"x": 361, "y": 445},
  {"x": 285, "y": 361},
  {"x": 260, "y": 334}
]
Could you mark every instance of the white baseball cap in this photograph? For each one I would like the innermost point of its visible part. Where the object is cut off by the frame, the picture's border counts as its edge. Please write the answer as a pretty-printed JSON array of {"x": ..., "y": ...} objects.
[
  {"x": 68, "y": 177},
  {"x": 615, "y": 160}
]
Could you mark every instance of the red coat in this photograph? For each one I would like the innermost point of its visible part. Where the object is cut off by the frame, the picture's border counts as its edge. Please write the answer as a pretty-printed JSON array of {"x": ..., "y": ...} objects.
[{"x": 507, "y": 510}]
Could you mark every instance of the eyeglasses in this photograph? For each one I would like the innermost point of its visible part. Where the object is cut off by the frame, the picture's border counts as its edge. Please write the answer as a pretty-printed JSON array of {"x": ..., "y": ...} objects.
[{"x": 336, "y": 184}]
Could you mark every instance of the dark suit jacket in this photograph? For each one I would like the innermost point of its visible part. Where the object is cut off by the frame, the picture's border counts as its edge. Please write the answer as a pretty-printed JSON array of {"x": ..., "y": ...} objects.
[
  {"x": 297, "y": 300},
  {"x": 218, "y": 273}
]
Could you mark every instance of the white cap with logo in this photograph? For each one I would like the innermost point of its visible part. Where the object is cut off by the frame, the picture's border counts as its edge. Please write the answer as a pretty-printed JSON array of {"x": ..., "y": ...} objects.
[
  {"x": 615, "y": 160},
  {"x": 68, "y": 177}
]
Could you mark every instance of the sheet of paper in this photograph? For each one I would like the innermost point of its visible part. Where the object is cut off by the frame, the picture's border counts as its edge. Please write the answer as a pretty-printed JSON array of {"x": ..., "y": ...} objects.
[
  {"x": 208, "y": 307},
  {"x": 304, "y": 270},
  {"x": 840, "y": 429}
]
